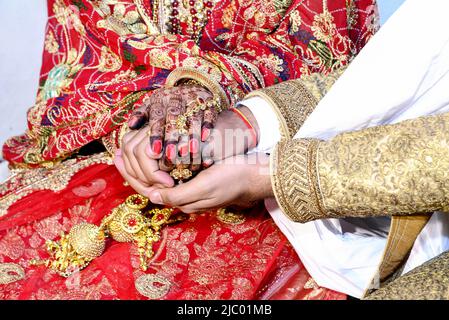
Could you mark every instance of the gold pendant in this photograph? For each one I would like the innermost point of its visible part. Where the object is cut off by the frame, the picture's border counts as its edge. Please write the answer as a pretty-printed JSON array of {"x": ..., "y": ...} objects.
[{"x": 131, "y": 221}]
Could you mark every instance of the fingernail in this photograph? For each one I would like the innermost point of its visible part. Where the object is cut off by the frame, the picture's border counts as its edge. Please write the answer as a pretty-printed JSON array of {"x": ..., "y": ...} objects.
[
  {"x": 170, "y": 152},
  {"x": 156, "y": 198},
  {"x": 183, "y": 151},
  {"x": 136, "y": 122},
  {"x": 207, "y": 163},
  {"x": 157, "y": 146},
  {"x": 205, "y": 134},
  {"x": 193, "y": 145}
]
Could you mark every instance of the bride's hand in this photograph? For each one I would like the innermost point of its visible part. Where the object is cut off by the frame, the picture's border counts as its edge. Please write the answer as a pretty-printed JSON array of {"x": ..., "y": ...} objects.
[{"x": 160, "y": 112}]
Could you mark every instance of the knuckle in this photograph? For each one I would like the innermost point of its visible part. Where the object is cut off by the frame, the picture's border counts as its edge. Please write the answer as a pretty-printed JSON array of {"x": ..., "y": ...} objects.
[{"x": 129, "y": 149}]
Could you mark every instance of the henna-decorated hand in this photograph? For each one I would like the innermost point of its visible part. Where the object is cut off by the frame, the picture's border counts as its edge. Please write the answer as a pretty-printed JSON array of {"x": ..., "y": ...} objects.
[
  {"x": 229, "y": 137},
  {"x": 160, "y": 139}
]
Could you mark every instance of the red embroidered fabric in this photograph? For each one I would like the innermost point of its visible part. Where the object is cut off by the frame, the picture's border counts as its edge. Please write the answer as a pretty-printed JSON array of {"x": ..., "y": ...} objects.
[
  {"x": 100, "y": 56},
  {"x": 201, "y": 258}
]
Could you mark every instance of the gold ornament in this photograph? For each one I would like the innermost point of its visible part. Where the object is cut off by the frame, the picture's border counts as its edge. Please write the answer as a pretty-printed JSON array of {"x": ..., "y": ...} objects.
[
  {"x": 87, "y": 240},
  {"x": 131, "y": 221},
  {"x": 181, "y": 173},
  {"x": 199, "y": 105},
  {"x": 230, "y": 217}
]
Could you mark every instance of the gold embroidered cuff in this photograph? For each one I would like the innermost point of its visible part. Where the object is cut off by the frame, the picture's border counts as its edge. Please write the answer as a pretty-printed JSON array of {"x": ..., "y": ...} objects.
[
  {"x": 202, "y": 78},
  {"x": 291, "y": 101},
  {"x": 294, "y": 179}
]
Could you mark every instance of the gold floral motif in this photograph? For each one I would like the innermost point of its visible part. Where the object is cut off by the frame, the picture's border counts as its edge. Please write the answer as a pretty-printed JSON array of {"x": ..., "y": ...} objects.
[
  {"x": 152, "y": 286},
  {"x": 160, "y": 59},
  {"x": 271, "y": 62},
  {"x": 51, "y": 45},
  {"x": 68, "y": 16},
  {"x": 230, "y": 217},
  {"x": 118, "y": 19},
  {"x": 323, "y": 26},
  {"x": 295, "y": 21},
  {"x": 10, "y": 272},
  {"x": 109, "y": 61}
]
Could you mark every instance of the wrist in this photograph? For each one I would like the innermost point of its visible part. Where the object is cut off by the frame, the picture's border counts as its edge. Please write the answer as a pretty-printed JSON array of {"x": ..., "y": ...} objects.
[
  {"x": 260, "y": 179},
  {"x": 252, "y": 121}
]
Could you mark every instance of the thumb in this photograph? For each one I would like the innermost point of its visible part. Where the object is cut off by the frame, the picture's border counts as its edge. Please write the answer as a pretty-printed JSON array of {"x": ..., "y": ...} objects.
[
  {"x": 160, "y": 196},
  {"x": 180, "y": 195},
  {"x": 138, "y": 118}
]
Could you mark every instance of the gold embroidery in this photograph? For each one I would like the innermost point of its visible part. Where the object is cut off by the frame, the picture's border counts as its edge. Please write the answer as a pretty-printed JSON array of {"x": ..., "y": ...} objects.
[
  {"x": 311, "y": 284},
  {"x": 430, "y": 281},
  {"x": 396, "y": 169},
  {"x": 152, "y": 27},
  {"x": 119, "y": 20},
  {"x": 109, "y": 61},
  {"x": 51, "y": 45},
  {"x": 292, "y": 103},
  {"x": 10, "y": 272},
  {"x": 26, "y": 182},
  {"x": 152, "y": 286},
  {"x": 230, "y": 217},
  {"x": 292, "y": 167}
]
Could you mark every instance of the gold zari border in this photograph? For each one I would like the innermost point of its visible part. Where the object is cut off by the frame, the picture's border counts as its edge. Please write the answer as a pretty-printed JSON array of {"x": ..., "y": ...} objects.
[
  {"x": 291, "y": 101},
  {"x": 294, "y": 179}
]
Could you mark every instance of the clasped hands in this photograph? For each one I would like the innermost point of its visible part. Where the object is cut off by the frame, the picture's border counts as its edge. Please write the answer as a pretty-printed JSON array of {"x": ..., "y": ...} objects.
[{"x": 213, "y": 149}]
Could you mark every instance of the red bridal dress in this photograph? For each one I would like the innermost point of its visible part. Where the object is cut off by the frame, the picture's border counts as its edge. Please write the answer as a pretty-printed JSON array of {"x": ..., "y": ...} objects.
[{"x": 100, "y": 59}]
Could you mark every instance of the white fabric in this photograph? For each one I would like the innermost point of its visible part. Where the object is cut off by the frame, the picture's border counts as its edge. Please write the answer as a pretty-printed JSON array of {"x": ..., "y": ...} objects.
[
  {"x": 266, "y": 119},
  {"x": 402, "y": 73}
]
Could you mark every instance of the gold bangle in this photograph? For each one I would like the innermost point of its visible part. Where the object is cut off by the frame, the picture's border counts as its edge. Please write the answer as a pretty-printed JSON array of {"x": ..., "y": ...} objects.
[{"x": 202, "y": 78}]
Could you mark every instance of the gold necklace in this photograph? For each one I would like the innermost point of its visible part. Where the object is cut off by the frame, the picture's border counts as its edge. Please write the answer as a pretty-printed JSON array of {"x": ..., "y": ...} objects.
[{"x": 131, "y": 221}]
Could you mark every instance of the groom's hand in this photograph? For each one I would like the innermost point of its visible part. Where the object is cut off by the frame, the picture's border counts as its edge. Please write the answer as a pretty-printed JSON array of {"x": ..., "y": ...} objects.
[{"x": 240, "y": 180}]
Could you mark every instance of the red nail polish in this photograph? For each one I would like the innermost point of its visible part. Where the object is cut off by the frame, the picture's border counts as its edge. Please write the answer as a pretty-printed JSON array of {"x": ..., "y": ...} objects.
[
  {"x": 183, "y": 151},
  {"x": 205, "y": 134},
  {"x": 157, "y": 146},
  {"x": 207, "y": 163},
  {"x": 194, "y": 146},
  {"x": 170, "y": 152}
]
